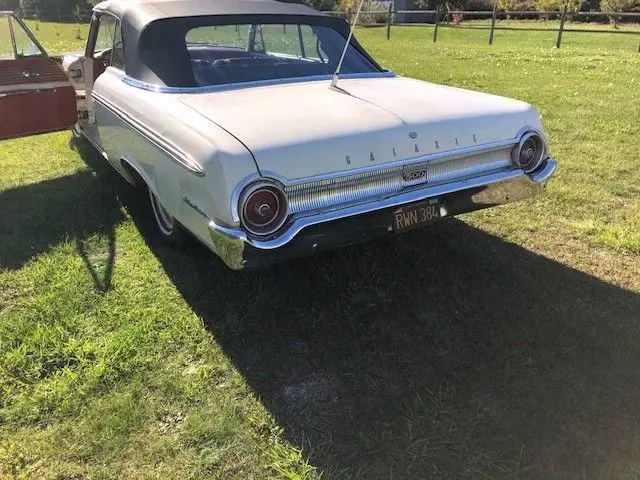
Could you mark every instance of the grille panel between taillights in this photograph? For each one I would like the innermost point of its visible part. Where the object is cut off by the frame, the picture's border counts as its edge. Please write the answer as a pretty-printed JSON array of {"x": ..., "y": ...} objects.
[{"x": 344, "y": 190}]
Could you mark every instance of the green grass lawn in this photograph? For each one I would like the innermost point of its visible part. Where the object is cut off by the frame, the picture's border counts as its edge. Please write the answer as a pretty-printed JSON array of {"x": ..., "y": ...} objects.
[{"x": 504, "y": 344}]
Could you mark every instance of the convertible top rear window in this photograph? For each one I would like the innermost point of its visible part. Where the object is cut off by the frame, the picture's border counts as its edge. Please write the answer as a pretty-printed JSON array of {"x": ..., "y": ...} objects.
[{"x": 196, "y": 54}]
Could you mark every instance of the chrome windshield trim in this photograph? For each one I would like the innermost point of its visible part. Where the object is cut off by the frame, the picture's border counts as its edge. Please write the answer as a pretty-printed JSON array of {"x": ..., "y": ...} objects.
[
  {"x": 403, "y": 198},
  {"x": 259, "y": 83},
  {"x": 174, "y": 152}
]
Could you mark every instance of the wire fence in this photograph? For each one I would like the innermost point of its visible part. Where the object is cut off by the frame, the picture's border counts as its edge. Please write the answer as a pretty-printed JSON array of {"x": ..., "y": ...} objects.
[
  {"x": 560, "y": 22},
  {"x": 625, "y": 23}
]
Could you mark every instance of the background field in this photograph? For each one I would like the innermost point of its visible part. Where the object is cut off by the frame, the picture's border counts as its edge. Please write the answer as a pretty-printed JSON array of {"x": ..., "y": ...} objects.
[{"x": 505, "y": 344}]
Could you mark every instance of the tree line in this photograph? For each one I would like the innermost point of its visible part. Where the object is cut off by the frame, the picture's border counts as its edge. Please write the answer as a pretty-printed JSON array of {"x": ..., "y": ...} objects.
[{"x": 80, "y": 10}]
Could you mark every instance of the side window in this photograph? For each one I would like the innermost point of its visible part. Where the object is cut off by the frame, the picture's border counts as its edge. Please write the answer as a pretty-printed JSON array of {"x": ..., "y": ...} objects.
[
  {"x": 117, "y": 55},
  {"x": 312, "y": 47},
  {"x": 6, "y": 45},
  {"x": 108, "y": 45},
  {"x": 25, "y": 47},
  {"x": 106, "y": 34},
  {"x": 283, "y": 40},
  {"x": 220, "y": 35}
]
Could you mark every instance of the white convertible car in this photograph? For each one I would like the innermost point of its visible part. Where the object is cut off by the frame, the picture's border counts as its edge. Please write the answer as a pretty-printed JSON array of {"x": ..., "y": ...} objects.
[{"x": 229, "y": 112}]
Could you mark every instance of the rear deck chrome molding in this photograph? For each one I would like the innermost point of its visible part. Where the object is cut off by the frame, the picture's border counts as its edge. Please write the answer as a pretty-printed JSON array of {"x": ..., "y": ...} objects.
[
  {"x": 377, "y": 172},
  {"x": 456, "y": 154},
  {"x": 230, "y": 242},
  {"x": 259, "y": 83},
  {"x": 174, "y": 152},
  {"x": 317, "y": 196}
]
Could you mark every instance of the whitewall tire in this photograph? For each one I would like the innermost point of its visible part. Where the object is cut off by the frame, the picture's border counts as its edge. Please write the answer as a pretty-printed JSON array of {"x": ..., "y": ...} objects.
[{"x": 166, "y": 224}]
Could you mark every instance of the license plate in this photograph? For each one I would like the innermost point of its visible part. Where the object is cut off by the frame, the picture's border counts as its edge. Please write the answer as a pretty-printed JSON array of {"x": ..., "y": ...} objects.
[{"x": 416, "y": 215}]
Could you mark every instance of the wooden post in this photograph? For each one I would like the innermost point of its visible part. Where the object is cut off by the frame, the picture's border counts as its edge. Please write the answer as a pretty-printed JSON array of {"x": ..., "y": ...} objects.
[
  {"x": 435, "y": 30},
  {"x": 493, "y": 22},
  {"x": 562, "y": 20},
  {"x": 389, "y": 18}
]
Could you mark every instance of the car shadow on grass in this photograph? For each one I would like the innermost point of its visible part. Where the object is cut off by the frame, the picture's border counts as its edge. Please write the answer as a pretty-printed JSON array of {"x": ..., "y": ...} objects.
[
  {"x": 36, "y": 217},
  {"x": 444, "y": 353}
]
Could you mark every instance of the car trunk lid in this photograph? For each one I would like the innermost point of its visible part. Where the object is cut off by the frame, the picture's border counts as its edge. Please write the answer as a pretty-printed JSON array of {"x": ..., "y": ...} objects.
[{"x": 300, "y": 130}]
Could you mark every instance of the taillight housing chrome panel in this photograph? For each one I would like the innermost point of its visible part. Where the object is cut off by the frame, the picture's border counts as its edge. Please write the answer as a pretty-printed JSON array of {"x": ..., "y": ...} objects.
[
  {"x": 263, "y": 207},
  {"x": 529, "y": 153}
]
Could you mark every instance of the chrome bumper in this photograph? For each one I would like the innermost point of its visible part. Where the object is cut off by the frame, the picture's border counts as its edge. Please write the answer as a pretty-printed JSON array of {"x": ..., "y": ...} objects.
[{"x": 232, "y": 245}]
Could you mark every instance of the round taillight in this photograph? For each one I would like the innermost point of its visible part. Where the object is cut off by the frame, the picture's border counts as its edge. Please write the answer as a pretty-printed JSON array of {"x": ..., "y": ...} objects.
[
  {"x": 264, "y": 208},
  {"x": 529, "y": 153}
]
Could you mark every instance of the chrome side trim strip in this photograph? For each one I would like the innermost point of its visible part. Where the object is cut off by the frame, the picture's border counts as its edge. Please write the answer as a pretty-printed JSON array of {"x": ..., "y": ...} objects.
[
  {"x": 179, "y": 156},
  {"x": 258, "y": 83},
  {"x": 239, "y": 236}
]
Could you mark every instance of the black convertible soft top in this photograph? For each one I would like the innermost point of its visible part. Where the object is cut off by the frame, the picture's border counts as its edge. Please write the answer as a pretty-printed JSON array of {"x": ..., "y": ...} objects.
[
  {"x": 138, "y": 16},
  {"x": 139, "y": 13}
]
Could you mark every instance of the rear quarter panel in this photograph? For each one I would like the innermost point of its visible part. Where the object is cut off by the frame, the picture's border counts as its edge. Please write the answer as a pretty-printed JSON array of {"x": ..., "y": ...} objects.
[{"x": 126, "y": 115}]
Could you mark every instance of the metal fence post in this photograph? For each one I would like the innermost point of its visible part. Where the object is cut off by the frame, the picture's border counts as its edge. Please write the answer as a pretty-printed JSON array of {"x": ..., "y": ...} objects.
[
  {"x": 389, "y": 14},
  {"x": 493, "y": 23},
  {"x": 562, "y": 20},
  {"x": 435, "y": 30}
]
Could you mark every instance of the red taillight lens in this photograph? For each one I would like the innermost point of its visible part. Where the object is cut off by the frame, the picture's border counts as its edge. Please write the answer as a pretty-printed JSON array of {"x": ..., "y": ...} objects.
[{"x": 264, "y": 209}]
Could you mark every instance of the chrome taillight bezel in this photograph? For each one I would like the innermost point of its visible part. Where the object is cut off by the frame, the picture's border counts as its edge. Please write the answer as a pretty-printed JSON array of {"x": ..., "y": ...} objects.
[
  {"x": 539, "y": 156},
  {"x": 279, "y": 219}
]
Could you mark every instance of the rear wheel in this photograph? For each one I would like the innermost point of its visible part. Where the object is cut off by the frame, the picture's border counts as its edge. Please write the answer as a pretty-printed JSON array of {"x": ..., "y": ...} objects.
[{"x": 167, "y": 225}]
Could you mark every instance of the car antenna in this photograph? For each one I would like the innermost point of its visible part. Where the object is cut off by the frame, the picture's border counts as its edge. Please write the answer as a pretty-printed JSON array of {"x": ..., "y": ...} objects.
[{"x": 336, "y": 75}]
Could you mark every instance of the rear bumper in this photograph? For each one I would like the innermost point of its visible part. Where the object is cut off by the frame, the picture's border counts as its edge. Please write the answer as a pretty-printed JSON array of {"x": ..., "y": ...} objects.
[{"x": 328, "y": 230}]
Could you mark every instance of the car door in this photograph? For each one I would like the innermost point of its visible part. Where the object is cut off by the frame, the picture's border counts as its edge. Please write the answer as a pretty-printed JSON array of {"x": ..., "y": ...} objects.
[{"x": 35, "y": 94}]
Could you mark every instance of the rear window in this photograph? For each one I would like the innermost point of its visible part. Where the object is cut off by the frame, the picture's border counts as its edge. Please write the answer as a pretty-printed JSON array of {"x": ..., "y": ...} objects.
[
  {"x": 194, "y": 52},
  {"x": 228, "y": 54}
]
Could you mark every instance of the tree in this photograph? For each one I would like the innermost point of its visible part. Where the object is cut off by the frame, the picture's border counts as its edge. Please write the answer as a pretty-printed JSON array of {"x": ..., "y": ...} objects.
[
  {"x": 8, "y": 5},
  {"x": 324, "y": 5},
  {"x": 29, "y": 7},
  {"x": 612, "y": 7},
  {"x": 558, "y": 5}
]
